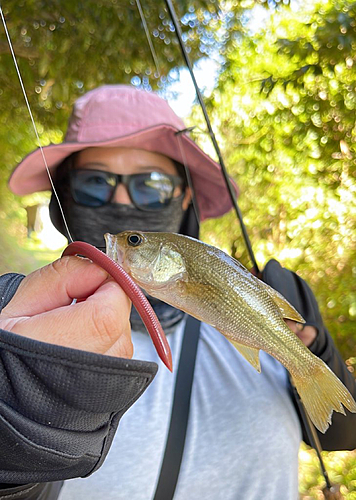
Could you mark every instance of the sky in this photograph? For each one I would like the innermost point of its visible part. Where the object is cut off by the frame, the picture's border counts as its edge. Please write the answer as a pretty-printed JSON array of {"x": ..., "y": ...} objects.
[{"x": 181, "y": 94}]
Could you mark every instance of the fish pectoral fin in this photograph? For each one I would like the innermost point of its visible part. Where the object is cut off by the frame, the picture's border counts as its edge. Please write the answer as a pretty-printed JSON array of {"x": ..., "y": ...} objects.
[
  {"x": 286, "y": 309},
  {"x": 249, "y": 353}
]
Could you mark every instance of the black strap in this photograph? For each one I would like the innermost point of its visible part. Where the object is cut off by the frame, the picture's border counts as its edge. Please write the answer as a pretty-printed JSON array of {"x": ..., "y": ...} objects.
[{"x": 180, "y": 412}]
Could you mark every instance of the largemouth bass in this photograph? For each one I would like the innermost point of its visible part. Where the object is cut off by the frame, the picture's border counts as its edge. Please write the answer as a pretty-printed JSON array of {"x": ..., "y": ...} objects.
[{"x": 215, "y": 288}]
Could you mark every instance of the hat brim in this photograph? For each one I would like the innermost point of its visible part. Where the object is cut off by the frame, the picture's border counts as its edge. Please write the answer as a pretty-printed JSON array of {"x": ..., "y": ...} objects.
[{"x": 209, "y": 185}]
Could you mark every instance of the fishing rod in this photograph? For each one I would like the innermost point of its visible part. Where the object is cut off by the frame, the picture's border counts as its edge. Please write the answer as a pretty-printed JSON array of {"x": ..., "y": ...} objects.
[
  {"x": 230, "y": 189},
  {"x": 309, "y": 427}
]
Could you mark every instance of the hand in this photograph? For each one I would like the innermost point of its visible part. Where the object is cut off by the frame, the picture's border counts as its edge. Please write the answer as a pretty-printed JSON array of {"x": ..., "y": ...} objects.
[
  {"x": 299, "y": 294},
  {"x": 307, "y": 334},
  {"x": 41, "y": 308}
]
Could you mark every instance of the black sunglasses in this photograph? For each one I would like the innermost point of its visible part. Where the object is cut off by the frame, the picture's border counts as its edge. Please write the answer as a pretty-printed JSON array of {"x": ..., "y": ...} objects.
[{"x": 149, "y": 191}]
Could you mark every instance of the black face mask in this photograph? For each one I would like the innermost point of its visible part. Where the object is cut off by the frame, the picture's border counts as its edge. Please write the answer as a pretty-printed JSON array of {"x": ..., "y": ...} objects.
[{"x": 90, "y": 224}]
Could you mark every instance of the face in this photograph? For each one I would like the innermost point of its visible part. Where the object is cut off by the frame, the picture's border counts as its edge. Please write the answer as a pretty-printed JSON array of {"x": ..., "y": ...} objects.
[{"x": 128, "y": 161}]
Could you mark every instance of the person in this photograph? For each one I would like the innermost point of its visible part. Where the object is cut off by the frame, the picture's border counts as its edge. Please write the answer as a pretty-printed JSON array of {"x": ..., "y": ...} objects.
[{"x": 127, "y": 162}]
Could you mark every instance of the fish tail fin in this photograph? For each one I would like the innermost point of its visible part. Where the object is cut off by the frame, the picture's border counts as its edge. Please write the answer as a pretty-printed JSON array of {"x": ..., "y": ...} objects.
[{"x": 321, "y": 393}]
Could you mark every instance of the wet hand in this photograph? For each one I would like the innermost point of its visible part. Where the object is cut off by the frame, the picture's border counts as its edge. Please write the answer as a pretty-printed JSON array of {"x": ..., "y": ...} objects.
[{"x": 41, "y": 308}]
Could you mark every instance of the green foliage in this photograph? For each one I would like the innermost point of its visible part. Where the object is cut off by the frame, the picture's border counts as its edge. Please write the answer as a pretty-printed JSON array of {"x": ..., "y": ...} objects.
[
  {"x": 66, "y": 48},
  {"x": 341, "y": 467},
  {"x": 22, "y": 255}
]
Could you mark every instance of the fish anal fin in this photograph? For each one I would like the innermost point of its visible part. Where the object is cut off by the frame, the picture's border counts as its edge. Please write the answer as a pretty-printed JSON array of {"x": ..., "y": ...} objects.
[
  {"x": 286, "y": 309},
  {"x": 249, "y": 353}
]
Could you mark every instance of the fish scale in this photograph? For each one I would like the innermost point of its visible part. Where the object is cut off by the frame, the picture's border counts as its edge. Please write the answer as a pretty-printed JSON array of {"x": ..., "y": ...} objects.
[{"x": 215, "y": 288}]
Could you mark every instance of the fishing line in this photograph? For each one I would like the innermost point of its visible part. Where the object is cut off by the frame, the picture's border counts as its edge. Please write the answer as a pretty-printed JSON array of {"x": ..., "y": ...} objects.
[
  {"x": 148, "y": 36},
  {"x": 33, "y": 121}
]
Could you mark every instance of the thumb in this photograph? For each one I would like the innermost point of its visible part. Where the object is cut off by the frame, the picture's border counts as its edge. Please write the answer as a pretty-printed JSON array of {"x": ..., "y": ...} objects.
[
  {"x": 99, "y": 324},
  {"x": 55, "y": 285}
]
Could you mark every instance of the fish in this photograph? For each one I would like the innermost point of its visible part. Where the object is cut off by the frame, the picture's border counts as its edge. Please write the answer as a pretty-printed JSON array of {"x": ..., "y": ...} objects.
[{"x": 217, "y": 289}]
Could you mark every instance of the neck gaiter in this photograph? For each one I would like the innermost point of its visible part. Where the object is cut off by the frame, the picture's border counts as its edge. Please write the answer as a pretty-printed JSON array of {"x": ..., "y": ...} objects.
[{"x": 90, "y": 224}]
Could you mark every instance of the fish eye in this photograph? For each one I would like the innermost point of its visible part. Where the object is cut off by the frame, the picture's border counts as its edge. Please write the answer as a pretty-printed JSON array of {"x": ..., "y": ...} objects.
[{"x": 134, "y": 240}]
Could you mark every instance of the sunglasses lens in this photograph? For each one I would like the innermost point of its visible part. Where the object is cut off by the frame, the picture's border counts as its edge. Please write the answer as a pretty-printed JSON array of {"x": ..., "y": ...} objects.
[
  {"x": 92, "y": 188},
  {"x": 151, "y": 191}
]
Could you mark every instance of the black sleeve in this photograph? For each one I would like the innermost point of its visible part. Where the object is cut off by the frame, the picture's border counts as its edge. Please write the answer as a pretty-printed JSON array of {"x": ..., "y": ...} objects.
[
  {"x": 341, "y": 435},
  {"x": 59, "y": 409}
]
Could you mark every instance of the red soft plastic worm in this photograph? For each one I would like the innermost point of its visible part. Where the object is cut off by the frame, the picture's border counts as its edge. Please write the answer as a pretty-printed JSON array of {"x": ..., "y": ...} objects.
[{"x": 136, "y": 295}]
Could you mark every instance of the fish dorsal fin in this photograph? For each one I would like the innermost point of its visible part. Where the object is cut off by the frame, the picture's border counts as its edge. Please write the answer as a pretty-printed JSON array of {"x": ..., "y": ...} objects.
[
  {"x": 249, "y": 353},
  {"x": 286, "y": 309}
]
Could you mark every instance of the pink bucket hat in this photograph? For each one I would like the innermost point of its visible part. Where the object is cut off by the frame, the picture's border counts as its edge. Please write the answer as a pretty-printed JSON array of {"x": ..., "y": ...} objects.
[{"x": 120, "y": 115}]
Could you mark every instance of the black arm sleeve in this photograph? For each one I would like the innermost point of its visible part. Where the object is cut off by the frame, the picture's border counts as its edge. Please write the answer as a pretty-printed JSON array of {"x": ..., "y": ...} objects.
[
  {"x": 341, "y": 435},
  {"x": 59, "y": 408}
]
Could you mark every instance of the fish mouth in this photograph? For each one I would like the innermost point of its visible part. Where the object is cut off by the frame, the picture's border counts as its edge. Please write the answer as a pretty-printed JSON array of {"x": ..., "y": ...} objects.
[
  {"x": 113, "y": 249},
  {"x": 119, "y": 257}
]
